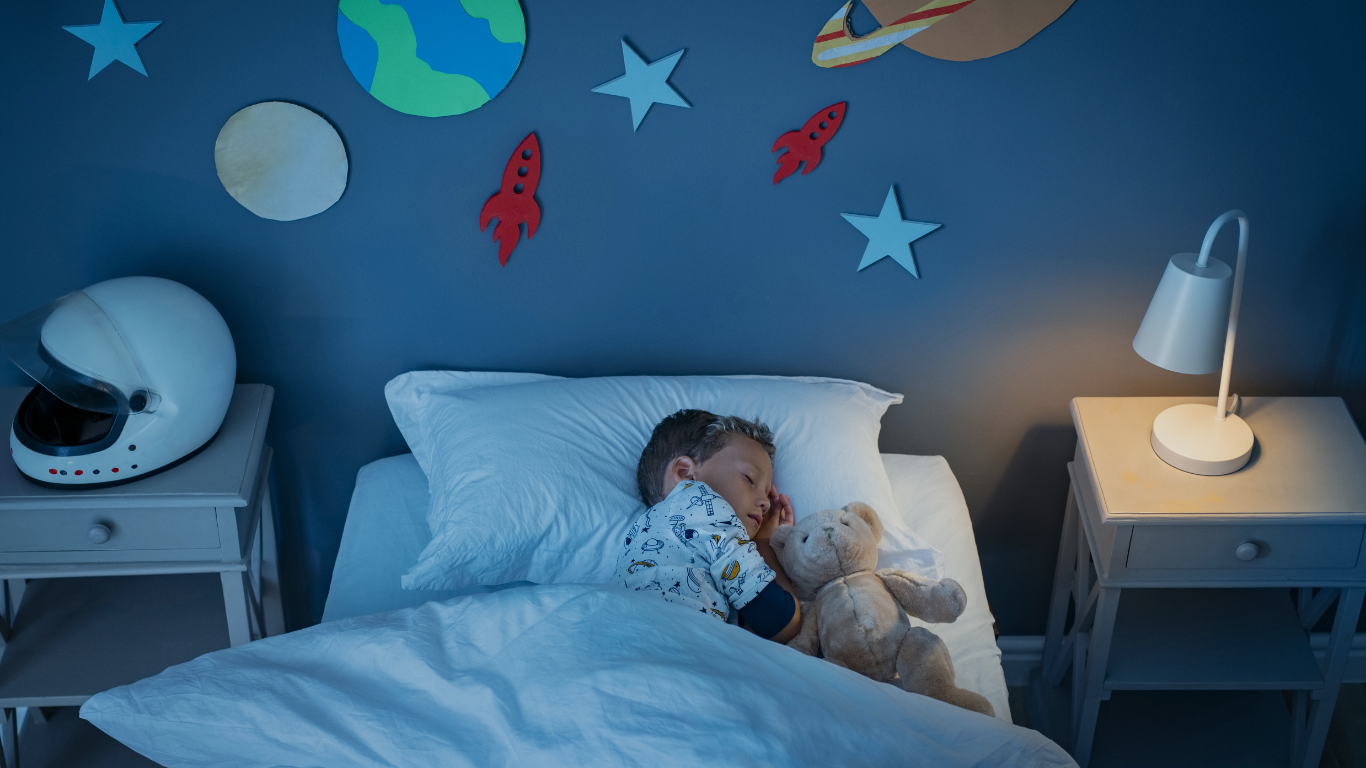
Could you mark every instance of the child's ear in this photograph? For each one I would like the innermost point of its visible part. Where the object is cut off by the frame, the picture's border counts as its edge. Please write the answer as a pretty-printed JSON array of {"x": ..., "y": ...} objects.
[{"x": 681, "y": 468}]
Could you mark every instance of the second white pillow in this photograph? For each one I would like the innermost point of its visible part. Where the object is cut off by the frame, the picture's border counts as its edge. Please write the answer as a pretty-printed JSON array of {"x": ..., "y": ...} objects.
[{"x": 536, "y": 481}]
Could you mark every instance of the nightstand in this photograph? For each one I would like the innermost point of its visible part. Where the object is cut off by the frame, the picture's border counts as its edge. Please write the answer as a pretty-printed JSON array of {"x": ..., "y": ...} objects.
[
  {"x": 1206, "y": 567},
  {"x": 104, "y": 587}
]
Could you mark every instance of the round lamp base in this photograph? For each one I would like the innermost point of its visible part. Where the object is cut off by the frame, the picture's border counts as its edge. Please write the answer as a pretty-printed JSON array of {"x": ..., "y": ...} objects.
[{"x": 1190, "y": 438}]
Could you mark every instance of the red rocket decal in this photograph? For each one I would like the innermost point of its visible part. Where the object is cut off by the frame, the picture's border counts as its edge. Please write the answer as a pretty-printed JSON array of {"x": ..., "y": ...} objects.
[
  {"x": 514, "y": 202},
  {"x": 805, "y": 144}
]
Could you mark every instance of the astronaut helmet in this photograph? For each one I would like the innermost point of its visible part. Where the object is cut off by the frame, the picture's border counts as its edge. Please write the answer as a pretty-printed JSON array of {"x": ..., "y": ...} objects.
[{"x": 134, "y": 376}]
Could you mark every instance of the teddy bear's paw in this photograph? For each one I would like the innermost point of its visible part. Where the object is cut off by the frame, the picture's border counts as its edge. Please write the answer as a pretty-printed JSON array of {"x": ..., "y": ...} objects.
[
  {"x": 974, "y": 702},
  {"x": 951, "y": 599},
  {"x": 924, "y": 664},
  {"x": 806, "y": 643},
  {"x": 938, "y": 602},
  {"x": 925, "y": 667}
]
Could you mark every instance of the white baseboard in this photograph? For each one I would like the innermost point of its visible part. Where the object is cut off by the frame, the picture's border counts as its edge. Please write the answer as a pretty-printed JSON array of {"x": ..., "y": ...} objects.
[{"x": 1020, "y": 654}]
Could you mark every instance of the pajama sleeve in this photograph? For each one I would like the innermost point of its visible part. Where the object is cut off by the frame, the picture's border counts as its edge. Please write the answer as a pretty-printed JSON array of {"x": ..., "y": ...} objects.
[
  {"x": 770, "y": 611},
  {"x": 738, "y": 568}
]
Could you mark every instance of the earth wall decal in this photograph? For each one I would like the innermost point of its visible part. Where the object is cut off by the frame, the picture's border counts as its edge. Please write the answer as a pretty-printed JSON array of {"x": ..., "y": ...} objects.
[{"x": 432, "y": 58}]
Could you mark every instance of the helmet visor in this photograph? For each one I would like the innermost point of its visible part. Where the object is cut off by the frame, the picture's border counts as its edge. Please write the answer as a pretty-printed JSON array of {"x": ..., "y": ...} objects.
[{"x": 71, "y": 348}]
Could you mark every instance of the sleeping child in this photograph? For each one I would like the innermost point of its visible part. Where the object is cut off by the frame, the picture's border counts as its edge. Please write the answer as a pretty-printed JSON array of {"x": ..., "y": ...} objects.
[{"x": 704, "y": 541}]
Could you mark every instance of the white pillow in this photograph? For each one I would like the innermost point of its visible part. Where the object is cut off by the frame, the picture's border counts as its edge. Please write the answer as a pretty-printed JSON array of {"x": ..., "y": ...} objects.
[
  {"x": 536, "y": 481},
  {"x": 405, "y": 395}
]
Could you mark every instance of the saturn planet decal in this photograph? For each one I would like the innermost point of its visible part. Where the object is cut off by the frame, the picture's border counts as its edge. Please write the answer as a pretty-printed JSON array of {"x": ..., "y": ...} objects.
[{"x": 955, "y": 30}]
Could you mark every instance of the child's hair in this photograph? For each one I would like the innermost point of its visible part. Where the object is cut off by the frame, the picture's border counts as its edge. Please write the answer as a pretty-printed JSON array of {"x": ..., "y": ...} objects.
[{"x": 696, "y": 434}]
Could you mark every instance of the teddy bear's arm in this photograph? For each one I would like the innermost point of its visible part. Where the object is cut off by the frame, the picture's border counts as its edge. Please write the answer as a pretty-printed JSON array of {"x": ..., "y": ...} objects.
[
  {"x": 808, "y": 639},
  {"x": 937, "y": 602}
]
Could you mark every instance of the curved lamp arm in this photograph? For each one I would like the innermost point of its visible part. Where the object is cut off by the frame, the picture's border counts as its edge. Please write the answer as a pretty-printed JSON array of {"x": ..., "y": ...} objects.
[{"x": 1221, "y": 413}]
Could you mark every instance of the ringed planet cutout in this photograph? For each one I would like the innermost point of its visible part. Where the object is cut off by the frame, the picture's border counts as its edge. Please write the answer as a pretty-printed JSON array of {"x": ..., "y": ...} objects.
[
  {"x": 432, "y": 58},
  {"x": 838, "y": 46},
  {"x": 281, "y": 161},
  {"x": 984, "y": 29},
  {"x": 804, "y": 145},
  {"x": 954, "y": 30},
  {"x": 514, "y": 203}
]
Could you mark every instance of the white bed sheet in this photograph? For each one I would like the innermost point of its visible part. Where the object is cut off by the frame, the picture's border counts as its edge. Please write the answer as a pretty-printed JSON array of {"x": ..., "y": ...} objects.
[{"x": 386, "y": 529}]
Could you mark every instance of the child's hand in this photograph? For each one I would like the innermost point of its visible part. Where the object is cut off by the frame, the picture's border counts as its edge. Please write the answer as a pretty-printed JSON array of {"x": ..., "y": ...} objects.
[
  {"x": 779, "y": 513},
  {"x": 783, "y": 506}
]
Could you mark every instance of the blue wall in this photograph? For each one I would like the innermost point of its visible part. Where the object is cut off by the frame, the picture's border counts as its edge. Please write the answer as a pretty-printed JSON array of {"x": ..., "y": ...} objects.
[{"x": 1065, "y": 174}]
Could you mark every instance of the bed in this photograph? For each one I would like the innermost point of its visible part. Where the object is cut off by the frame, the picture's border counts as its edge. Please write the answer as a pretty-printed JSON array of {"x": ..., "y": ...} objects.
[
  {"x": 521, "y": 480},
  {"x": 386, "y": 528}
]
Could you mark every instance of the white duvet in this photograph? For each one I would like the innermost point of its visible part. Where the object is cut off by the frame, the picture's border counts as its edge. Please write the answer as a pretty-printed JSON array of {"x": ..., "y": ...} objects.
[{"x": 556, "y": 675}]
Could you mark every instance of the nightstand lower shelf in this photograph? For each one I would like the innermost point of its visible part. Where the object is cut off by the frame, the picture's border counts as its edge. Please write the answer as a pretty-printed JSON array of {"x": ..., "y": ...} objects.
[
  {"x": 1174, "y": 729},
  {"x": 75, "y": 637},
  {"x": 1210, "y": 639}
]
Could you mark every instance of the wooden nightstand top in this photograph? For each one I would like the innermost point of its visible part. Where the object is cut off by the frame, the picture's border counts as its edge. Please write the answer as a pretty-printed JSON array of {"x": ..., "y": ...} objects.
[{"x": 1308, "y": 464}]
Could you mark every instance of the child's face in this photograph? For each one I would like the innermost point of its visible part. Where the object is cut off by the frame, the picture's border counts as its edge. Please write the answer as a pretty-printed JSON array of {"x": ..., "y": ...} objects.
[{"x": 743, "y": 474}]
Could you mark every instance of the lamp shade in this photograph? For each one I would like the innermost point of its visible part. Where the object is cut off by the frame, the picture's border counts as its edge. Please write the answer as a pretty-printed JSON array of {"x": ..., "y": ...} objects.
[{"x": 1187, "y": 321}]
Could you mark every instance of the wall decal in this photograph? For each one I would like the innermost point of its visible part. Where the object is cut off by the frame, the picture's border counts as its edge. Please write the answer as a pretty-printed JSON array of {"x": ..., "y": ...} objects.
[
  {"x": 645, "y": 83},
  {"x": 985, "y": 28},
  {"x": 281, "y": 161},
  {"x": 838, "y": 46},
  {"x": 432, "y": 58},
  {"x": 889, "y": 235},
  {"x": 515, "y": 202},
  {"x": 804, "y": 145},
  {"x": 114, "y": 39},
  {"x": 956, "y": 30}
]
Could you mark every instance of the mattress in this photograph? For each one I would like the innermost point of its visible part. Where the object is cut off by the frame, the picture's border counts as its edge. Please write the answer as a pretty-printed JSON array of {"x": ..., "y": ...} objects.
[{"x": 386, "y": 529}]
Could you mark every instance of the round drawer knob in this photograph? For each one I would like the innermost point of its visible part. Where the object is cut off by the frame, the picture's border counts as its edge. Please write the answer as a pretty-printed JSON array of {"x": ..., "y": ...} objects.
[
  {"x": 1248, "y": 550},
  {"x": 99, "y": 533}
]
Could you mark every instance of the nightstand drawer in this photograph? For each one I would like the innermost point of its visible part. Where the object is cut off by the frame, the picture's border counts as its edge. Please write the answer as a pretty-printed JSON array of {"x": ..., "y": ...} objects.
[
  {"x": 65, "y": 530},
  {"x": 1227, "y": 546}
]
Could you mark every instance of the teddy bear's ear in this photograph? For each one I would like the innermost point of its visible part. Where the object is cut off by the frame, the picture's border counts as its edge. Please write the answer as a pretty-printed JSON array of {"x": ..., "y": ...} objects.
[
  {"x": 779, "y": 539},
  {"x": 869, "y": 516}
]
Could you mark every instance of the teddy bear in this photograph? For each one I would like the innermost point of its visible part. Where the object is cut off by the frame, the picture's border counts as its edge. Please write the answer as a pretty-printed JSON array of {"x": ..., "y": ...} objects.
[{"x": 856, "y": 617}]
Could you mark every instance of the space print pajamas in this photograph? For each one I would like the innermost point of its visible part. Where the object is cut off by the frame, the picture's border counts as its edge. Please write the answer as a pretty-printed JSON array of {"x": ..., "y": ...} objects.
[{"x": 691, "y": 549}]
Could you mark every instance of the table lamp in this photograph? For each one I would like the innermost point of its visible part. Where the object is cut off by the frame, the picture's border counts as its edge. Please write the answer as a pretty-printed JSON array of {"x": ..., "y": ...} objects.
[{"x": 1184, "y": 331}]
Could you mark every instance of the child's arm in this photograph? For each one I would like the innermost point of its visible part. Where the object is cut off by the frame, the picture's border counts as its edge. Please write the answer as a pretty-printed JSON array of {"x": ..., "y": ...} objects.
[{"x": 779, "y": 513}]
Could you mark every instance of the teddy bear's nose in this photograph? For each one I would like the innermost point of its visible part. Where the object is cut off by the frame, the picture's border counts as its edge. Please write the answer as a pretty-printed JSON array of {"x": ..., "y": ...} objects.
[{"x": 829, "y": 529}]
